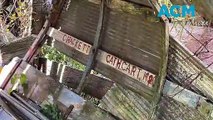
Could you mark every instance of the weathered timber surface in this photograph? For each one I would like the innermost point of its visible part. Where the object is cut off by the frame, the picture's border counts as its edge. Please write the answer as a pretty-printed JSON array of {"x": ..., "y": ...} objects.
[
  {"x": 140, "y": 2},
  {"x": 188, "y": 98},
  {"x": 203, "y": 7},
  {"x": 93, "y": 112},
  {"x": 125, "y": 104},
  {"x": 184, "y": 67},
  {"x": 94, "y": 86},
  {"x": 41, "y": 87},
  {"x": 128, "y": 105},
  {"x": 169, "y": 109},
  {"x": 16, "y": 48},
  {"x": 200, "y": 47},
  {"x": 39, "y": 15},
  {"x": 182, "y": 95},
  {"x": 127, "y": 37},
  {"x": 83, "y": 110},
  {"x": 109, "y": 68}
]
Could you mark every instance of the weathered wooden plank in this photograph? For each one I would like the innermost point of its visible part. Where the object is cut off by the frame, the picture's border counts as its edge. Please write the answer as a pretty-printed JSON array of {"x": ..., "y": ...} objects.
[
  {"x": 136, "y": 56},
  {"x": 109, "y": 65},
  {"x": 182, "y": 95},
  {"x": 128, "y": 105},
  {"x": 94, "y": 86},
  {"x": 169, "y": 109},
  {"x": 83, "y": 110},
  {"x": 95, "y": 47},
  {"x": 16, "y": 48},
  {"x": 129, "y": 38},
  {"x": 39, "y": 41},
  {"x": 189, "y": 98},
  {"x": 92, "y": 112},
  {"x": 42, "y": 88},
  {"x": 125, "y": 104},
  {"x": 183, "y": 67}
]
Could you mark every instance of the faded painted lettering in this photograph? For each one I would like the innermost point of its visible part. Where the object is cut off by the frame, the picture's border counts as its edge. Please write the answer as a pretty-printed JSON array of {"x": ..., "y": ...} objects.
[
  {"x": 70, "y": 41},
  {"x": 131, "y": 70}
]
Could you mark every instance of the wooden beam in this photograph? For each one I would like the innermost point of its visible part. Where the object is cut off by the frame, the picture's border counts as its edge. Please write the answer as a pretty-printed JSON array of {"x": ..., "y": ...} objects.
[
  {"x": 39, "y": 41},
  {"x": 56, "y": 11},
  {"x": 183, "y": 67},
  {"x": 94, "y": 50}
]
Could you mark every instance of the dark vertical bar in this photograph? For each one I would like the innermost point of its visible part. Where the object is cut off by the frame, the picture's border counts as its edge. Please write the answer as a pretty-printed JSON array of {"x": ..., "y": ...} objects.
[{"x": 94, "y": 49}]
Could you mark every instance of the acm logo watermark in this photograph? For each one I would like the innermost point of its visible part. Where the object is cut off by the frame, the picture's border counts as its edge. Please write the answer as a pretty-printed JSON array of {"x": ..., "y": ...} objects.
[
  {"x": 177, "y": 11},
  {"x": 185, "y": 12}
]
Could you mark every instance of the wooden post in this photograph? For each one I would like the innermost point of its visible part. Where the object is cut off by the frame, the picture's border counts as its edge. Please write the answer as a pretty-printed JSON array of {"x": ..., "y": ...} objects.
[
  {"x": 94, "y": 50},
  {"x": 38, "y": 42}
]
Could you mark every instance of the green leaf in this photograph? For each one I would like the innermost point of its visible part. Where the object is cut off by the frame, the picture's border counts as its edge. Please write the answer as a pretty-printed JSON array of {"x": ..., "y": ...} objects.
[
  {"x": 14, "y": 79},
  {"x": 23, "y": 79}
]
